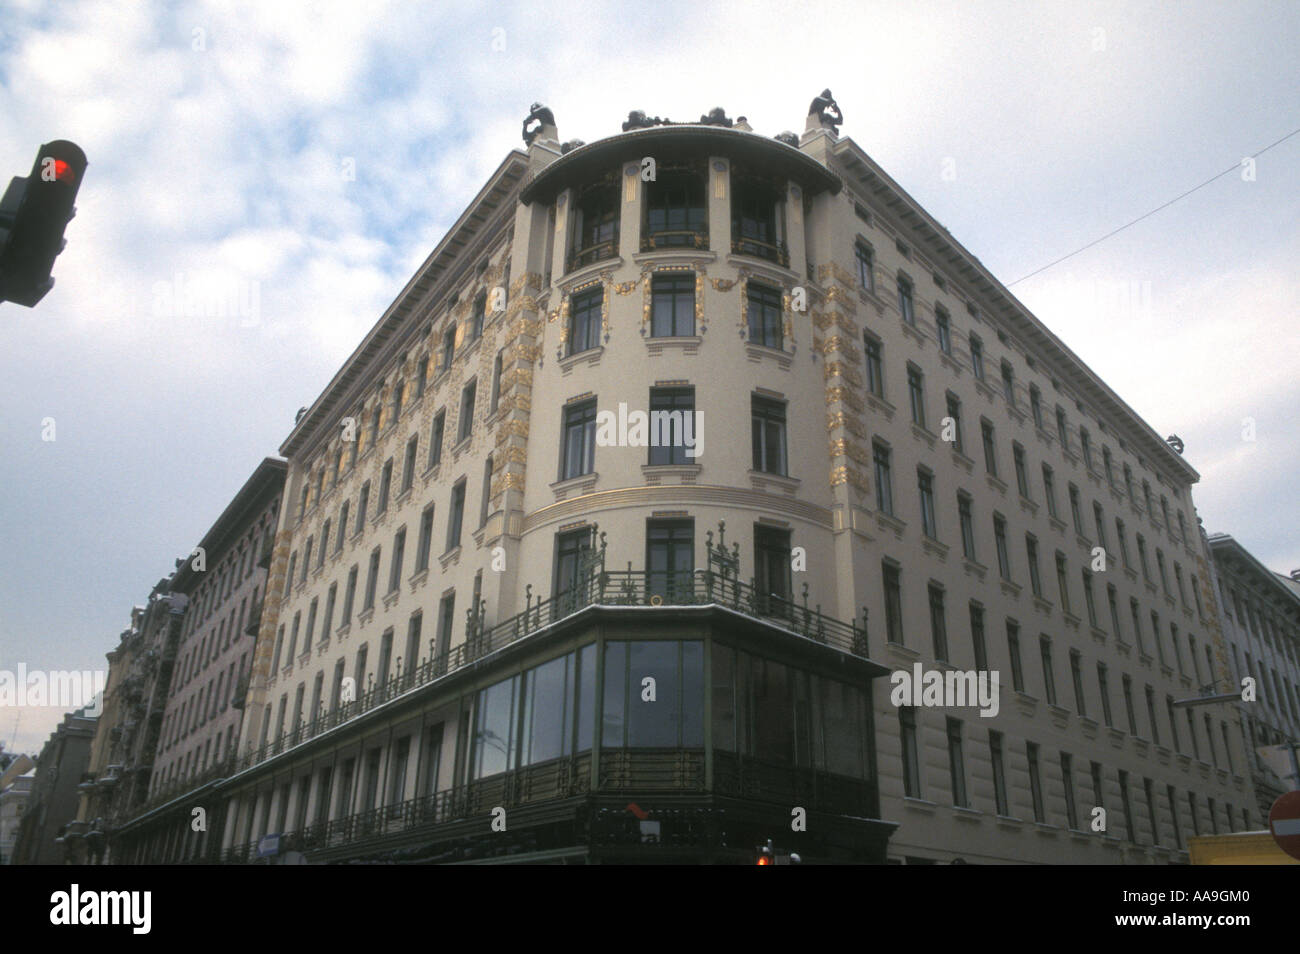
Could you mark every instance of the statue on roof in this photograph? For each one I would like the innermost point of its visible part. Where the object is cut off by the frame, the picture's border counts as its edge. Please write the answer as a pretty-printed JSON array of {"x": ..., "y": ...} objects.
[
  {"x": 637, "y": 119},
  {"x": 827, "y": 111},
  {"x": 715, "y": 117},
  {"x": 543, "y": 116}
]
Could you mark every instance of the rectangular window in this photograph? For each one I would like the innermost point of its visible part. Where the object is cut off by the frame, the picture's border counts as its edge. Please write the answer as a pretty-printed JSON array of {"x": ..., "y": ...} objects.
[
  {"x": 1151, "y": 714},
  {"x": 424, "y": 545},
  {"x": 925, "y": 486},
  {"x": 943, "y": 328},
  {"x": 1000, "y": 542},
  {"x": 1112, "y": 599},
  {"x": 1049, "y": 491},
  {"x": 1075, "y": 513},
  {"x": 670, "y": 559},
  {"x": 1076, "y": 677},
  {"x": 1130, "y": 822},
  {"x": 570, "y": 549},
  {"x": 435, "y": 438},
  {"x": 863, "y": 258},
  {"x": 938, "y": 624},
  {"x": 768, "y": 435},
  {"x": 408, "y": 465},
  {"x": 1022, "y": 479},
  {"x": 1089, "y": 600},
  {"x": 1008, "y": 384},
  {"x": 764, "y": 315},
  {"x": 1031, "y": 557},
  {"x": 1035, "y": 781},
  {"x": 385, "y": 485},
  {"x": 465, "y": 426},
  {"x": 977, "y": 637},
  {"x": 911, "y": 752},
  {"x": 672, "y": 424},
  {"x": 916, "y": 394},
  {"x": 1171, "y": 799},
  {"x": 1062, "y": 430},
  {"x": 1128, "y": 706},
  {"x": 1036, "y": 405},
  {"x": 343, "y": 527},
  {"x": 485, "y": 498},
  {"x": 1013, "y": 651},
  {"x": 967, "y": 526},
  {"x": 977, "y": 358},
  {"x": 672, "y": 305},
  {"x": 954, "y": 412},
  {"x": 579, "y": 452},
  {"x": 906, "y": 308},
  {"x": 772, "y": 567},
  {"x": 999, "y": 773},
  {"x": 448, "y": 347},
  {"x": 956, "y": 767},
  {"x": 1067, "y": 785},
  {"x": 875, "y": 367},
  {"x": 893, "y": 603},
  {"x": 1049, "y": 678},
  {"x": 327, "y": 624},
  {"x": 990, "y": 448},
  {"x": 372, "y": 580},
  {"x": 395, "y": 570},
  {"x": 1103, "y": 687},
  {"x": 884, "y": 486},
  {"x": 1085, "y": 447},
  {"x": 1173, "y": 724},
  {"x": 349, "y": 596},
  {"x": 456, "y": 515}
]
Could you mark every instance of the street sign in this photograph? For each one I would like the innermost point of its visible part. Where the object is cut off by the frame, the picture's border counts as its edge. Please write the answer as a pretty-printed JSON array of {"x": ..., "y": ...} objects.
[{"x": 1284, "y": 822}]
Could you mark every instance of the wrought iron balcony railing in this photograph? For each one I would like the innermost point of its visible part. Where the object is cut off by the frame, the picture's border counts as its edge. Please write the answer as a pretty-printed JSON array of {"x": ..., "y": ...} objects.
[
  {"x": 601, "y": 588},
  {"x": 675, "y": 238},
  {"x": 772, "y": 251}
]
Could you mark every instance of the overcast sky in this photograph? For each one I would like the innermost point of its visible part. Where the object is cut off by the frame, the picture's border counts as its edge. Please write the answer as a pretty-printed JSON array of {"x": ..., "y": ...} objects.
[{"x": 300, "y": 160}]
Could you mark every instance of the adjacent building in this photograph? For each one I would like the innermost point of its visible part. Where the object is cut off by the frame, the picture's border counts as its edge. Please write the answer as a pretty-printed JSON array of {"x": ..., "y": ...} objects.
[
  {"x": 222, "y": 583},
  {"x": 1261, "y": 618},
  {"x": 537, "y": 592},
  {"x": 15, "y": 788},
  {"x": 44, "y": 835}
]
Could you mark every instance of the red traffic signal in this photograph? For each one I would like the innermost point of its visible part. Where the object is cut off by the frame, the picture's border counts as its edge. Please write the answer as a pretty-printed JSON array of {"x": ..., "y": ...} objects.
[{"x": 33, "y": 215}]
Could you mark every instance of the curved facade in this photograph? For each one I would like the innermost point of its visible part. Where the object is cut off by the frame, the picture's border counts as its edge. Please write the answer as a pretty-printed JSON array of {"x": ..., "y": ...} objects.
[{"x": 601, "y": 543}]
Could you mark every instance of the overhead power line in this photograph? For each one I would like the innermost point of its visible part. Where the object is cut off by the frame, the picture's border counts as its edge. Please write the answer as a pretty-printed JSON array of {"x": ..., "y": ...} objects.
[{"x": 1232, "y": 168}]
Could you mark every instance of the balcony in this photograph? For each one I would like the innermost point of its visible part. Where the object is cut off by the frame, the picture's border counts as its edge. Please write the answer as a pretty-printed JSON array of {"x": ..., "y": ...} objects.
[
  {"x": 771, "y": 251},
  {"x": 675, "y": 239}
]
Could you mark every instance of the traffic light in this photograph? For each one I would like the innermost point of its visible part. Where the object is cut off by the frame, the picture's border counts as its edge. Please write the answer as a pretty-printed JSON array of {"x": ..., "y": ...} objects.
[
  {"x": 765, "y": 855},
  {"x": 33, "y": 214}
]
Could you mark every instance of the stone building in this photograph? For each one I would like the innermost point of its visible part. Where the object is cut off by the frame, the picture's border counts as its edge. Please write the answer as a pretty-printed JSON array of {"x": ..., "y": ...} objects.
[
  {"x": 44, "y": 837},
  {"x": 533, "y": 598}
]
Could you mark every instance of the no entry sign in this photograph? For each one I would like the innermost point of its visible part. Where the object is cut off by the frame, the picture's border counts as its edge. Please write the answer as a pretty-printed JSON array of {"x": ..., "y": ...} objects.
[{"x": 1284, "y": 822}]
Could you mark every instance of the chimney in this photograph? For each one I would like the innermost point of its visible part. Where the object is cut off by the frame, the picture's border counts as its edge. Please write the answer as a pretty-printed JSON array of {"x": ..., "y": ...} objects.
[{"x": 1295, "y": 575}]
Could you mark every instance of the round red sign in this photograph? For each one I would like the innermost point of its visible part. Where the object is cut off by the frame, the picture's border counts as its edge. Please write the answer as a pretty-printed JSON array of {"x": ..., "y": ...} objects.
[{"x": 1284, "y": 823}]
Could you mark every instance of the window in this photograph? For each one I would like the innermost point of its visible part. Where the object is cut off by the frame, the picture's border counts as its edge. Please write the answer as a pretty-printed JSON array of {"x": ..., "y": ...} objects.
[
  {"x": 755, "y": 202},
  {"x": 485, "y": 499},
  {"x": 1085, "y": 447},
  {"x": 1151, "y": 714},
  {"x": 448, "y": 347},
  {"x": 1089, "y": 600},
  {"x": 884, "y": 486},
  {"x": 1103, "y": 687},
  {"x": 385, "y": 485},
  {"x": 1128, "y": 482},
  {"x": 435, "y": 438},
  {"x": 1108, "y": 466},
  {"x": 956, "y": 768},
  {"x": 893, "y": 603},
  {"x": 1013, "y": 651},
  {"x": 496, "y": 383},
  {"x": 674, "y": 720},
  {"x": 990, "y": 449},
  {"x": 863, "y": 258},
  {"x": 925, "y": 484},
  {"x": 967, "y": 526},
  {"x": 1142, "y": 556},
  {"x": 1128, "y": 705},
  {"x": 1130, "y": 822},
  {"x": 670, "y": 558},
  {"x": 768, "y": 434},
  {"x": 570, "y": 547},
  {"x": 977, "y": 637},
  {"x": 1035, "y": 781},
  {"x": 875, "y": 372},
  {"x": 595, "y": 227},
  {"x": 327, "y": 623},
  {"x": 954, "y": 412},
  {"x": 446, "y": 619},
  {"x": 977, "y": 358},
  {"x": 372, "y": 581},
  {"x": 1031, "y": 556},
  {"x": 672, "y": 305},
  {"x": 677, "y": 213},
  {"x": 324, "y": 544},
  {"x": 1008, "y": 384},
  {"x": 905, "y": 305},
  {"x": 943, "y": 328},
  {"x": 999, "y": 773},
  {"x": 911, "y": 752},
  {"x": 1036, "y": 405},
  {"x": 1049, "y": 678},
  {"x": 408, "y": 464},
  {"x": 1022, "y": 479},
  {"x": 425, "y": 543},
  {"x": 1049, "y": 491},
  {"x": 1067, "y": 785},
  {"x": 938, "y": 624},
  {"x": 349, "y": 596},
  {"x": 578, "y": 454},
  {"x": 457, "y": 515},
  {"x": 395, "y": 570},
  {"x": 1112, "y": 598},
  {"x": 1000, "y": 542},
  {"x": 477, "y": 315},
  {"x": 772, "y": 565},
  {"x": 1062, "y": 431},
  {"x": 765, "y": 316},
  {"x": 916, "y": 393},
  {"x": 1062, "y": 585},
  {"x": 465, "y": 425},
  {"x": 1075, "y": 514}
]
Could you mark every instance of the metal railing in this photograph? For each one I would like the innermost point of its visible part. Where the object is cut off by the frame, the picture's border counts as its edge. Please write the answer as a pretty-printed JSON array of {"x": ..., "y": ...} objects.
[
  {"x": 602, "y": 588},
  {"x": 772, "y": 251},
  {"x": 675, "y": 238}
]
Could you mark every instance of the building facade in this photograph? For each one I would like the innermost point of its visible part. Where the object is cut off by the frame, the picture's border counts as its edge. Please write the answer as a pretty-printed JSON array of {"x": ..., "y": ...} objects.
[
  {"x": 15, "y": 788},
  {"x": 1260, "y": 610},
  {"x": 44, "y": 835},
  {"x": 533, "y": 597},
  {"x": 223, "y": 582}
]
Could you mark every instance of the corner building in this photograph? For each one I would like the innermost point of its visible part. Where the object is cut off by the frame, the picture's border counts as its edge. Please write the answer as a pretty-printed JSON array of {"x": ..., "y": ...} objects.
[{"x": 498, "y": 628}]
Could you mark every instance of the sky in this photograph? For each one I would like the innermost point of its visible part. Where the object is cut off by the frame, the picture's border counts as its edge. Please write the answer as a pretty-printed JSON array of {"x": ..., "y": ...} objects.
[{"x": 264, "y": 179}]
